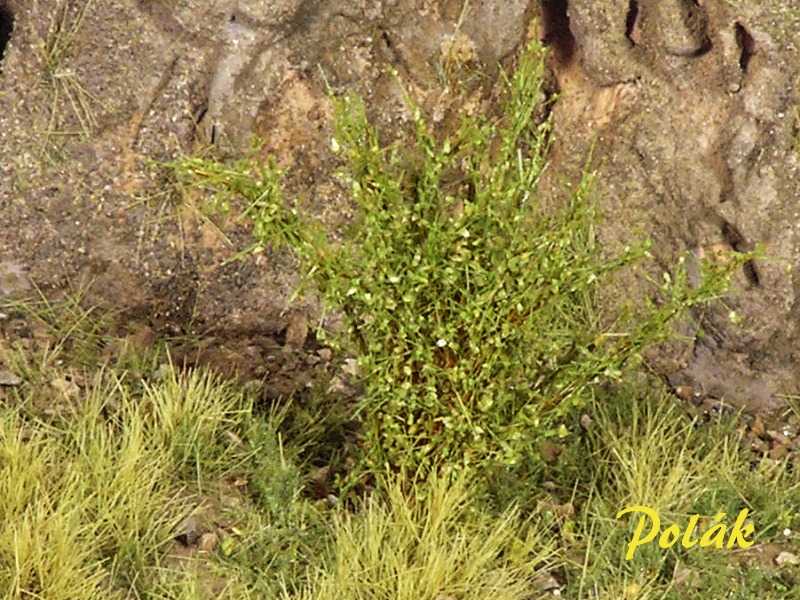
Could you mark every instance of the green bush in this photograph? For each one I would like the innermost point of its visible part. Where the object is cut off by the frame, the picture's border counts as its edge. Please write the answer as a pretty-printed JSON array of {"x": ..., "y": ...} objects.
[{"x": 471, "y": 309}]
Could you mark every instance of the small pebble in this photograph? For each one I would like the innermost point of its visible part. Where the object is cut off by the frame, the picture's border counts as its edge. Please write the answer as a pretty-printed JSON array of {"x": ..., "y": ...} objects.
[
  {"x": 787, "y": 558},
  {"x": 586, "y": 422},
  {"x": 7, "y": 378},
  {"x": 188, "y": 532},
  {"x": 208, "y": 541}
]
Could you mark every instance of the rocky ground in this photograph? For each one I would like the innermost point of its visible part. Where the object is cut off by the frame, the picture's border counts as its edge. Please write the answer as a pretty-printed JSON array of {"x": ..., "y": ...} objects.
[{"x": 690, "y": 106}]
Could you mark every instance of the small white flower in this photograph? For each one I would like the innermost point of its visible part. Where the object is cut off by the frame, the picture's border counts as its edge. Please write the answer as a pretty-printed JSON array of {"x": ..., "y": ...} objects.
[
  {"x": 441, "y": 343},
  {"x": 787, "y": 532}
]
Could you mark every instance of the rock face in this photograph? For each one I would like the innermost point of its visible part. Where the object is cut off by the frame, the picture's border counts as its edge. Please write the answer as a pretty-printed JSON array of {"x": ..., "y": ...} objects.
[
  {"x": 691, "y": 106},
  {"x": 693, "y": 109}
]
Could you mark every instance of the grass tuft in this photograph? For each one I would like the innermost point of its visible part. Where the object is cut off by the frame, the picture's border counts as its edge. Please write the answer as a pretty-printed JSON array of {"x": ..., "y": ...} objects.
[
  {"x": 642, "y": 449},
  {"x": 67, "y": 93},
  {"x": 91, "y": 499},
  {"x": 431, "y": 545}
]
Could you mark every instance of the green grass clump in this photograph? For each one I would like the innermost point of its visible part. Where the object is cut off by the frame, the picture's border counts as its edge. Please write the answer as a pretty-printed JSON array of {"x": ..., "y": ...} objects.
[
  {"x": 71, "y": 332},
  {"x": 83, "y": 504},
  {"x": 642, "y": 449},
  {"x": 257, "y": 185},
  {"x": 91, "y": 498},
  {"x": 470, "y": 308},
  {"x": 431, "y": 545}
]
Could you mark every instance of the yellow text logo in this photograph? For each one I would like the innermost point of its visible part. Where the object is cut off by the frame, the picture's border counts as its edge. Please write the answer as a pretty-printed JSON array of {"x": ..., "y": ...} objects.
[{"x": 718, "y": 535}]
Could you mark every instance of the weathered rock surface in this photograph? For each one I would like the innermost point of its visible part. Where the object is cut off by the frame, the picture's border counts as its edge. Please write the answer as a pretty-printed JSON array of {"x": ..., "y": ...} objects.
[
  {"x": 694, "y": 110},
  {"x": 692, "y": 105}
]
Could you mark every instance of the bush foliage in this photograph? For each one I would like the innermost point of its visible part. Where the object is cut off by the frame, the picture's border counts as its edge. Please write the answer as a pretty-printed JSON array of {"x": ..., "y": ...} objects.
[{"x": 471, "y": 309}]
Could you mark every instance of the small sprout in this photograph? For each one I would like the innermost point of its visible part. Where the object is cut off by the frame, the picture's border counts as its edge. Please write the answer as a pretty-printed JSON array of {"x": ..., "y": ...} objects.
[{"x": 228, "y": 546}]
